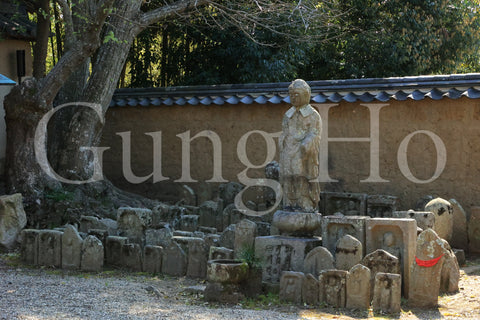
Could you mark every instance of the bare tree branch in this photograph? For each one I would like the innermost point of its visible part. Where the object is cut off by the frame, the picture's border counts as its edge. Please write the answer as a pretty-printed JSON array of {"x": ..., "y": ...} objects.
[{"x": 168, "y": 10}]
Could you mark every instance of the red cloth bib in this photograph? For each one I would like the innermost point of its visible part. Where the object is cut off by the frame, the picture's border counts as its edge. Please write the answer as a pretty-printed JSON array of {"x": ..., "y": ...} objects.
[{"x": 428, "y": 263}]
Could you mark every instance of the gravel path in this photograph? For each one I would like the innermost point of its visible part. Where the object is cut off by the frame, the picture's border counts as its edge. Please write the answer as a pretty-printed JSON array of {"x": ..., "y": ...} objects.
[
  {"x": 36, "y": 294},
  {"x": 27, "y": 293}
]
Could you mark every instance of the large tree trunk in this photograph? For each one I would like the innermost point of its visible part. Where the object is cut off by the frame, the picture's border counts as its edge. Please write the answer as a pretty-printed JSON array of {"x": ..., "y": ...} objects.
[{"x": 23, "y": 111}]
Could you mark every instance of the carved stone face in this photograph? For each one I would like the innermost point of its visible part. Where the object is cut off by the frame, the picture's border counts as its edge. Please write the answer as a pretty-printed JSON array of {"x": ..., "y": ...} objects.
[{"x": 299, "y": 97}]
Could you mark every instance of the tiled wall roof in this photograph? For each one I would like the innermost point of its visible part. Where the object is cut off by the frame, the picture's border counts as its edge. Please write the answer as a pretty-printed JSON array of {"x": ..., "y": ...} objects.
[{"x": 333, "y": 91}]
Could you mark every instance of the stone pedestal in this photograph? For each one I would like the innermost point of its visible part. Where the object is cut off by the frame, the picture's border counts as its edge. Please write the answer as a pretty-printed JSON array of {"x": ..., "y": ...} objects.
[
  {"x": 282, "y": 253},
  {"x": 293, "y": 223}
]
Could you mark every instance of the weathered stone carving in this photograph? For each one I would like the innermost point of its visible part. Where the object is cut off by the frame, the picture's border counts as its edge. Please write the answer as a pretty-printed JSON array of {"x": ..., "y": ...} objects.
[
  {"x": 358, "y": 287},
  {"x": 443, "y": 211},
  {"x": 348, "y": 252},
  {"x": 291, "y": 284},
  {"x": 299, "y": 151},
  {"x": 387, "y": 293},
  {"x": 299, "y": 147}
]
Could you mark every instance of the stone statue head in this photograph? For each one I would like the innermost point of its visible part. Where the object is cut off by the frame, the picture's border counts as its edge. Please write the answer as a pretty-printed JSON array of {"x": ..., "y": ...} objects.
[
  {"x": 388, "y": 239},
  {"x": 299, "y": 92}
]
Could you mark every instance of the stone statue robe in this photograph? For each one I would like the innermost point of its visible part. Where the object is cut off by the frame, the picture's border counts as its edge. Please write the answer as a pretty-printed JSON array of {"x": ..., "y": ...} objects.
[{"x": 299, "y": 147}]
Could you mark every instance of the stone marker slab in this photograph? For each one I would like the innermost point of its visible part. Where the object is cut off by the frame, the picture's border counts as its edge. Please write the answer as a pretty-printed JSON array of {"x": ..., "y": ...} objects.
[
  {"x": 197, "y": 259},
  {"x": 310, "y": 290},
  {"x": 220, "y": 253},
  {"x": 348, "y": 204},
  {"x": 387, "y": 293},
  {"x": 381, "y": 206},
  {"x": 30, "y": 246},
  {"x": 245, "y": 233},
  {"x": 380, "y": 261},
  {"x": 174, "y": 260},
  {"x": 459, "y": 234},
  {"x": 50, "y": 248},
  {"x": 335, "y": 227},
  {"x": 426, "y": 270},
  {"x": 71, "y": 248},
  {"x": 332, "y": 287},
  {"x": 396, "y": 236},
  {"x": 132, "y": 223},
  {"x": 443, "y": 211},
  {"x": 474, "y": 230},
  {"x": 279, "y": 253},
  {"x": 317, "y": 260},
  {"x": 424, "y": 219},
  {"x": 348, "y": 252},
  {"x": 158, "y": 237},
  {"x": 291, "y": 284},
  {"x": 358, "y": 287},
  {"x": 152, "y": 259},
  {"x": 113, "y": 250},
  {"x": 92, "y": 254},
  {"x": 132, "y": 257},
  {"x": 189, "y": 222}
]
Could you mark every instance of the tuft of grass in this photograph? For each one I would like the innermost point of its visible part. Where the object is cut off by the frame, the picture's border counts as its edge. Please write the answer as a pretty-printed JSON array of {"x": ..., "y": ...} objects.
[
  {"x": 59, "y": 195},
  {"x": 262, "y": 302}
]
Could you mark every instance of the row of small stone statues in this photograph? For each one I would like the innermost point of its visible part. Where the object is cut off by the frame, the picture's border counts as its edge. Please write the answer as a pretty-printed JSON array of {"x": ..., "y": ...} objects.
[
  {"x": 67, "y": 249},
  {"x": 337, "y": 288}
]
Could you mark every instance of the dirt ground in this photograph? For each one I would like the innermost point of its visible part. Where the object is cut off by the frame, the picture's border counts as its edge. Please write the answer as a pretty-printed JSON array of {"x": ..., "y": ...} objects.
[{"x": 44, "y": 293}]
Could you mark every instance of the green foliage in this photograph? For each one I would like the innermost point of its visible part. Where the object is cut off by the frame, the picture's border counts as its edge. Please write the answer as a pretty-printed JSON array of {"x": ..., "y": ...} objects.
[
  {"x": 378, "y": 39},
  {"x": 399, "y": 38},
  {"x": 247, "y": 254},
  {"x": 59, "y": 195},
  {"x": 262, "y": 302}
]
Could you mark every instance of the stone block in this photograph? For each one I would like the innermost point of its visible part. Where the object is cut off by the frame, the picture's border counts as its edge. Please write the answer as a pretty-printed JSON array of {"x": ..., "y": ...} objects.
[
  {"x": 459, "y": 238},
  {"x": 380, "y": 261},
  {"x": 245, "y": 233},
  {"x": 211, "y": 215},
  {"x": 291, "y": 284},
  {"x": 160, "y": 215},
  {"x": 12, "y": 220},
  {"x": 207, "y": 230},
  {"x": 474, "y": 230},
  {"x": 228, "y": 192},
  {"x": 181, "y": 233},
  {"x": 158, "y": 237},
  {"x": 71, "y": 248},
  {"x": 113, "y": 250},
  {"x": 424, "y": 219},
  {"x": 332, "y": 287},
  {"x": 310, "y": 290},
  {"x": 317, "y": 260},
  {"x": 152, "y": 259},
  {"x": 189, "y": 223},
  {"x": 50, "y": 248},
  {"x": 227, "y": 238},
  {"x": 29, "y": 248},
  {"x": 92, "y": 254},
  {"x": 348, "y": 204},
  {"x": 426, "y": 270},
  {"x": 381, "y": 206},
  {"x": 220, "y": 253},
  {"x": 132, "y": 257},
  {"x": 387, "y": 293},
  {"x": 335, "y": 227},
  {"x": 396, "y": 236},
  {"x": 174, "y": 260},
  {"x": 101, "y": 234},
  {"x": 348, "y": 252},
  {"x": 358, "y": 288},
  {"x": 212, "y": 240},
  {"x": 132, "y": 223},
  {"x": 197, "y": 258},
  {"x": 443, "y": 211},
  {"x": 278, "y": 254},
  {"x": 231, "y": 215}
]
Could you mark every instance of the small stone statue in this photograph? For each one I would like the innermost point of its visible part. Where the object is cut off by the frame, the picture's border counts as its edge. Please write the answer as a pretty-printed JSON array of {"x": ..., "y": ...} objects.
[{"x": 299, "y": 151}]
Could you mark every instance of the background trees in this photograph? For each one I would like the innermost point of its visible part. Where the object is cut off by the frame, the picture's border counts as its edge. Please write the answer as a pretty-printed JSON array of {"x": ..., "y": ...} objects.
[{"x": 373, "y": 38}]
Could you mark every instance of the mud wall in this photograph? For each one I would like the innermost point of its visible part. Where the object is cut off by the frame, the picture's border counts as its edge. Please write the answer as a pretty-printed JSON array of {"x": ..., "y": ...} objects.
[{"x": 404, "y": 148}]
